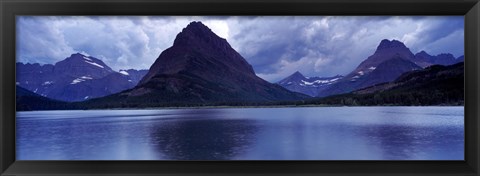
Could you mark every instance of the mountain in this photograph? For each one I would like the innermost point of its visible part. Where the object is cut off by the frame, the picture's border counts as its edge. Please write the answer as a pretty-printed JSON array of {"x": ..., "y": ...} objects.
[
  {"x": 307, "y": 85},
  {"x": 434, "y": 85},
  {"x": 76, "y": 78},
  {"x": 385, "y": 50},
  {"x": 424, "y": 59},
  {"x": 200, "y": 68},
  {"x": 390, "y": 60},
  {"x": 388, "y": 71},
  {"x": 78, "y": 65},
  {"x": 135, "y": 75},
  {"x": 27, "y": 100}
]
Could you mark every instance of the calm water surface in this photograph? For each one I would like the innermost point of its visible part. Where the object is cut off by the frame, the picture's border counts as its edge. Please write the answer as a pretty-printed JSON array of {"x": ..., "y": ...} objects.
[{"x": 312, "y": 133}]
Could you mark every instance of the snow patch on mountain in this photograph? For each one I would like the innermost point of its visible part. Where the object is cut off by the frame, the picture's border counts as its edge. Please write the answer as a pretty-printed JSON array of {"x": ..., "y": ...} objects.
[
  {"x": 86, "y": 58},
  {"x": 81, "y": 79},
  {"x": 95, "y": 64},
  {"x": 123, "y": 72},
  {"x": 306, "y": 83},
  {"x": 317, "y": 83},
  {"x": 47, "y": 83}
]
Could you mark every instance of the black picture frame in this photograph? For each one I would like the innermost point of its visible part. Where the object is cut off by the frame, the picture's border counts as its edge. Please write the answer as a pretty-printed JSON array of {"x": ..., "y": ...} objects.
[{"x": 10, "y": 8}]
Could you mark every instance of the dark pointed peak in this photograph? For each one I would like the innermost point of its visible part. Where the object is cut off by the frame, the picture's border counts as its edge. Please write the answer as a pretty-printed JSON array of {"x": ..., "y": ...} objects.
[
  {"x": 81, "y": 55},
  {"x": 197, "y": 28},
  {"x": 422, "y": 53},
  {"x": 386, "y": 44},
  {"x": 197, "y": 32},
  {"x": 78, "y": 56},
  {"x": 297, "y": 73},
  {"x": 295, "y": 77},
  {"x": 196, "y": 25},
  {"x": 396, "y": 42}
]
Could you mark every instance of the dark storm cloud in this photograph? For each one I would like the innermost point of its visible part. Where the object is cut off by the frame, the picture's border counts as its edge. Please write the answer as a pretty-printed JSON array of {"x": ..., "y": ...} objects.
[{"x": 275, "y": 46}]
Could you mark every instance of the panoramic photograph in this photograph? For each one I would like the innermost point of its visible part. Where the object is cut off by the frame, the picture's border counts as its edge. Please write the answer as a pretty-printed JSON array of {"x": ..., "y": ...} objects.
[{"x": 240, "y": 88}]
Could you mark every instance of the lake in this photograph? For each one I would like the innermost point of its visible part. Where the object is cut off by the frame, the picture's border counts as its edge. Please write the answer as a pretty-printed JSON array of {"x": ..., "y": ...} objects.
[{"x": 304, "y": 133}]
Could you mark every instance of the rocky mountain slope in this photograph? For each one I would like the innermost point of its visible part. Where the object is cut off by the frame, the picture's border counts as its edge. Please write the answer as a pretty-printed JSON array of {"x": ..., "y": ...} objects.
[
  {"x": 77, "y": 78},
  {"x": 200, "y": 68},
  {"x": 307, "y": 85}
]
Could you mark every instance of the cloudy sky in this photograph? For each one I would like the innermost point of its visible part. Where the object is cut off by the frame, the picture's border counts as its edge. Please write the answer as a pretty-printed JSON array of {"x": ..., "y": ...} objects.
[{"x": 275, "y": 46}]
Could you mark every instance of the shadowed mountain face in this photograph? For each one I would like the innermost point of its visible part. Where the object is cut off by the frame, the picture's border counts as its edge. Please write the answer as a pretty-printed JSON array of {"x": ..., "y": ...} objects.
[
  {"x": 388, "y": 71},
  {"x": 390, "y": 60},
  {"x": 385, "y": 51},
  {"x": 201, "y": 67},
  {"x": 27, "y": 100},
  {"x": 434, "y": 85},
  {"x": 198, "y": 50},
  {"x": 76, "y": 78}
]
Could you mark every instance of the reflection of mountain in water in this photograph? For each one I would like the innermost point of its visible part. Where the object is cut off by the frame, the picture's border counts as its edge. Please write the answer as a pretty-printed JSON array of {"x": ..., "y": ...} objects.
[{"x": 204, "y": 135}]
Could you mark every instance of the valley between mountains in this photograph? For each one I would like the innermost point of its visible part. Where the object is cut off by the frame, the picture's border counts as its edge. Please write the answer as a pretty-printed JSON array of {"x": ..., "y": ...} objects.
[{"x": 202, "y": 69}]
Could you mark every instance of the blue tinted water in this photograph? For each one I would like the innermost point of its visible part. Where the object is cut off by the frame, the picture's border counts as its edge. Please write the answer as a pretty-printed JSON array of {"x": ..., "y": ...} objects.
[{"x": 311, "y": 133}]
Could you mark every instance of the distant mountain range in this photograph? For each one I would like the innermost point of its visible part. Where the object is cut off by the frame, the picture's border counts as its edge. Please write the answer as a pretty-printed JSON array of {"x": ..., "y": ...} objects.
[
  {"x": 77, "y": 78},
  {"x": 307, "y": 85},
  {"x": 434, "y": 85},
  {"x": 390, "y": 60},
  {"x": 202, "y": 69}
]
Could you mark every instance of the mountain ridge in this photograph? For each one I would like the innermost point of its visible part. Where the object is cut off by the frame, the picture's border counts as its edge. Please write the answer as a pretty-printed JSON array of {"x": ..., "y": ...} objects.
[
  {"x": 297, "y": 82},
  {"x": 76, "y": 78},
  {"x": 362, "y": 76}
]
